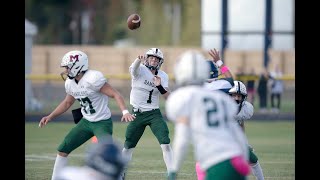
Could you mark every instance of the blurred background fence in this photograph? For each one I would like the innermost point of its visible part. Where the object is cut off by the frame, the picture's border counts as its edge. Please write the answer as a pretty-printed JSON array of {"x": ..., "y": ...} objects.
[{"x": 48, "y": 87}]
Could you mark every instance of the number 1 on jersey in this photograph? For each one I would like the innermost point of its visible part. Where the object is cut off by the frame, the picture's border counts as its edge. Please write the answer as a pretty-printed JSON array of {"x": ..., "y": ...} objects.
[{"x": 150, "y": 94}]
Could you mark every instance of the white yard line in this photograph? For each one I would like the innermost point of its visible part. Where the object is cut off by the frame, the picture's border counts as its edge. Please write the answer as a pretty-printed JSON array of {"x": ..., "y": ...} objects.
[{"x": 44, "y": 157}]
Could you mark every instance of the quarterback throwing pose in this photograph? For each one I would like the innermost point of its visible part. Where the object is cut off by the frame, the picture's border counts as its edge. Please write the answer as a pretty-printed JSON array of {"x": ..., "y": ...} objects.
[
  {"x": 92, "y": 90},
  {"x": 148, "y": 83},
  {"x": 207, "y": 119}
]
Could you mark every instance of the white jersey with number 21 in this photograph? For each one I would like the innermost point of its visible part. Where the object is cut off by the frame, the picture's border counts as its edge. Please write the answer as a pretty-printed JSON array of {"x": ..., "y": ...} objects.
[{"x": 213, "y": 130}]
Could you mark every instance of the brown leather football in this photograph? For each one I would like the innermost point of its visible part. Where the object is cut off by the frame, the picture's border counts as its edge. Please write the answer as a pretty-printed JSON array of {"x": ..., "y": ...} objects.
[{"x": 134, "y": 21}]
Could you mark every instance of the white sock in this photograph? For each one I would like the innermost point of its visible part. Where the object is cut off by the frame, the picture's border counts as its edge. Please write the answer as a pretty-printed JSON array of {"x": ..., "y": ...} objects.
[
  {"x": 167, "y": 155},
  {"x": 257, "y": 171},
  {"x": 127, "y": 154},
  {"x": 59, "y": 164}
]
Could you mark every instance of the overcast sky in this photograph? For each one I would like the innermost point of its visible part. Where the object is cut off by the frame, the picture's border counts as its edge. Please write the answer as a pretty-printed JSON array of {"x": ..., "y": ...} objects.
[{"x": 247, "y": 15}]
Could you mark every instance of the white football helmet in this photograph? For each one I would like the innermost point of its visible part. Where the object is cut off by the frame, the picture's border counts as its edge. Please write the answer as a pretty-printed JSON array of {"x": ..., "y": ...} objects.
[
  {"x": 191, "y": 68},
  {"x": 157, "y": 53},
  {"x": 239, "y": 88},
  {"x": 76, "y": 61}
]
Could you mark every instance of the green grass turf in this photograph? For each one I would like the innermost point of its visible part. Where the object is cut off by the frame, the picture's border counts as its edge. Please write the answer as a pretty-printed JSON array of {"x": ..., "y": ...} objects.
[{"x": 273, "y": 141}]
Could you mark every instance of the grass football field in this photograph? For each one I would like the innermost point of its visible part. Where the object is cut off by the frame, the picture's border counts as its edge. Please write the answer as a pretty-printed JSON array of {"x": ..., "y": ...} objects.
[{"x": 273, "y": 141}]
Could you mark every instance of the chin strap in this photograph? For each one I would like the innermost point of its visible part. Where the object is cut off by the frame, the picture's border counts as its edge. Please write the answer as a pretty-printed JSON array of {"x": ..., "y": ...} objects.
[
  {"x": 151, "y": 67},
  {"x": 70, "y": 77},
  {"x": 240, "y": 106}
]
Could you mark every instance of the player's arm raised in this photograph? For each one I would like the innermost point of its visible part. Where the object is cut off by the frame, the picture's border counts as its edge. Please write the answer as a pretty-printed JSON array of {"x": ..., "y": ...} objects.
[
  {"x": 135, "y": 66},
  {"x": 217, "y": 60}
]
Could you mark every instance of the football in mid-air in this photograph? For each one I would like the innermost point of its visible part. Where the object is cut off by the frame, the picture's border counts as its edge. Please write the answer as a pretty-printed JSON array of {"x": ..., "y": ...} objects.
[{"x": 134, "y": 21}]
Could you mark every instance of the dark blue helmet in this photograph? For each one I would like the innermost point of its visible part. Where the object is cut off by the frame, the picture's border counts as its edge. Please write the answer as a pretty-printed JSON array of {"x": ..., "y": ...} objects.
[
  {"x": 214, "y": 73},
  {"x": 106, "y": 158}
]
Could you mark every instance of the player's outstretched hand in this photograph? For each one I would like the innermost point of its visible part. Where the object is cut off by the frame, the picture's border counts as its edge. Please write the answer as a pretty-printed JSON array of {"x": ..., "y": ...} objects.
[
  {"x": 141, "y": 57},
  {"x": 128, "y": 117},
  {"x": 214, "y": 54},
  {"x": 44, "y": 121}
]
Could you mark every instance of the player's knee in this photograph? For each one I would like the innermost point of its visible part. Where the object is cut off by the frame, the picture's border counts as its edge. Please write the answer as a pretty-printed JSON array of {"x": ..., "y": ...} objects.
[
  {"x": 65, "y": 148},
  {"x": 164, "y": 140}
]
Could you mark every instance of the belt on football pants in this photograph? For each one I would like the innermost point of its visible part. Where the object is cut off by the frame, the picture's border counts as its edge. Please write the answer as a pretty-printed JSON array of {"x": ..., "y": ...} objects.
[{"x": 141, "y": 110}]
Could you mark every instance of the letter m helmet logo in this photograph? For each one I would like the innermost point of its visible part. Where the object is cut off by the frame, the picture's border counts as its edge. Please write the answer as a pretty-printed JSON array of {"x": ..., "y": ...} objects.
[{"x": 74, "y": 58}]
